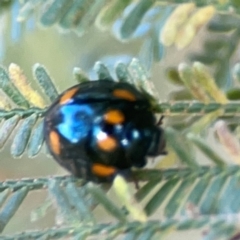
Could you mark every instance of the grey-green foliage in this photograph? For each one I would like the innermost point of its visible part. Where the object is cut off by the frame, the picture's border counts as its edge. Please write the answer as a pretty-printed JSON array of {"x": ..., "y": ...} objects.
[
  {"x": 187, "y": 196},
  {"x": 199, "y": 199},
  {"x": 29, "y": 134},
  {"x": 126, "y": 19},
  {"x": 191, "y": 196}
]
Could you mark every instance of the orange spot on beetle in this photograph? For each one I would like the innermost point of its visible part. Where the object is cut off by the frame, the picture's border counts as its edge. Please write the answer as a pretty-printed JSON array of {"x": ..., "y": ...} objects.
[
  {"x": 68, "y": 95},
  {"x": 54, "y": 142},
  {"x": 114, "y": 117},
  {"x": 107, "y": 143},
  {"x": 125, "y": 94},
  {"x": 102, "y": 170}
]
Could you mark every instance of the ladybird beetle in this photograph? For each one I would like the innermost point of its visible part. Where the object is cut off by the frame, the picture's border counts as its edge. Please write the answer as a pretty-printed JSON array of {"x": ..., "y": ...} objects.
[{"x": 99, "y": 128}]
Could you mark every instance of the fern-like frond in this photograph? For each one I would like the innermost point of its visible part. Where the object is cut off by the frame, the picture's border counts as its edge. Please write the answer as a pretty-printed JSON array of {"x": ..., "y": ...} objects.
[
  {"x": 30, "y": 107},
  {"x": 180, "y": 194},
  {"x": 220, "y": 46},
  {"x": 200, "y": 190},
  {"x": 81, "y": 14},
  {"x": 150, "y": 230},
  {"x": 167, "y": 23},
  {"x": 28, "y": 118},
  {"x": 187, "y": 198}
]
